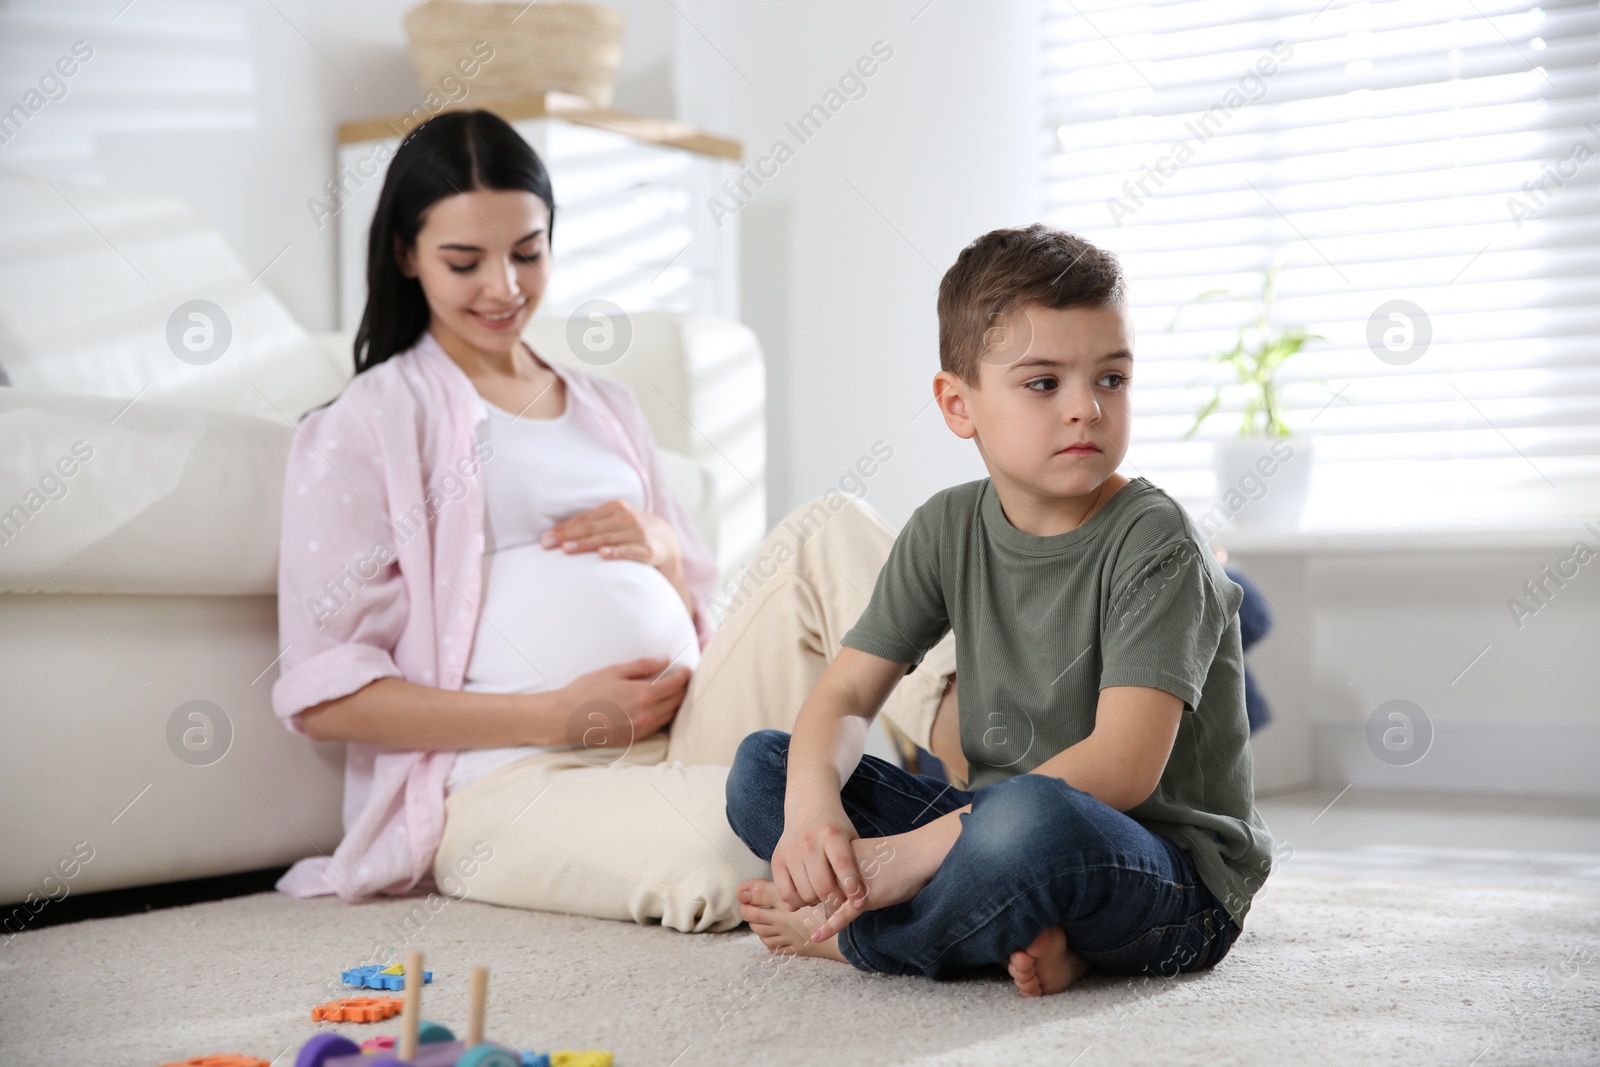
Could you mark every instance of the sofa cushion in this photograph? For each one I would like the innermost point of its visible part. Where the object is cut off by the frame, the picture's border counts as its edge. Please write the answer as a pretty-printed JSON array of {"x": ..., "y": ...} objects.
[{"x": 155, "y": 499}]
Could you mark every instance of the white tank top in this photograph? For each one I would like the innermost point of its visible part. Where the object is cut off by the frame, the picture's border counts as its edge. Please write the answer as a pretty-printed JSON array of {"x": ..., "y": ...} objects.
[{"x": 549, "y": 616}]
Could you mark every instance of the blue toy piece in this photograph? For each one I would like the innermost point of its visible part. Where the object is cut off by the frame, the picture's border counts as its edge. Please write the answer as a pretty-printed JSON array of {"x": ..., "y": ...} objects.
[
  {"x": 535, "y": 1059},
  {"x": 429, "y": 1033},
  {"x": 323, "y": 1047},
  {"x": 375, "y": 977}
]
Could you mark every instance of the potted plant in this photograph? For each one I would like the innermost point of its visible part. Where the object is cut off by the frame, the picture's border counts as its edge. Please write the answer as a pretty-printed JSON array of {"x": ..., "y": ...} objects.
[{"x": 1264, "y": 473}]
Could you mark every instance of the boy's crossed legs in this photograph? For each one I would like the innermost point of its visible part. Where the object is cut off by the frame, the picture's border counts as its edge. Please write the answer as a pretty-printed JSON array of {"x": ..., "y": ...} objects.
[{"x": 1038, "y": 867}]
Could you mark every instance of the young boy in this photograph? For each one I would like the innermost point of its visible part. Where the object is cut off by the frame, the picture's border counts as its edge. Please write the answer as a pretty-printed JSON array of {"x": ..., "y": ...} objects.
[{"x": 1109, "y": 819}]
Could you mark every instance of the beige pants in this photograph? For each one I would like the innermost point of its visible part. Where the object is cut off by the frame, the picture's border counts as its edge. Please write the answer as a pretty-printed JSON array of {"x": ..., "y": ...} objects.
[{"x": 646, "y": 837}]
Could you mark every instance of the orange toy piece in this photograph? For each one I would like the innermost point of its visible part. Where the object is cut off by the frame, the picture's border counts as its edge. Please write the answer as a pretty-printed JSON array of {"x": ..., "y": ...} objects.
[
  {"x": 220, "y": 1059},
  {"x": 357, "y": 1009}
]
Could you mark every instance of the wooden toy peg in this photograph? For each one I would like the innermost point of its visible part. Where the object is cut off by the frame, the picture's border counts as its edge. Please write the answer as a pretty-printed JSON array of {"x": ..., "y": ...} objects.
[
  {"x": 411, "y": 1013},
  {"x": 478, "y": 1006}
]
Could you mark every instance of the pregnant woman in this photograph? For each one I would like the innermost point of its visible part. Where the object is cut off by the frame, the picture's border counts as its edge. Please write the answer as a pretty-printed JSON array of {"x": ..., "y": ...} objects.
[{"x": 487, "y": 590}]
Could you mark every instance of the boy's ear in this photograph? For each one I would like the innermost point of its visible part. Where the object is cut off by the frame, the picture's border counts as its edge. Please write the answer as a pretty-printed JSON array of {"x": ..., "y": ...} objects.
[{"x": 950, "y": 393}]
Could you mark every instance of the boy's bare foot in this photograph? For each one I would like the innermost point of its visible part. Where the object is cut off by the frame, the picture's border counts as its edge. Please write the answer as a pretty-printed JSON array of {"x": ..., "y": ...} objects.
[
  {"x": 896, "y": 868},
  {"x": 1047, "y": 965},
  {"x": 782, "y": 929}
]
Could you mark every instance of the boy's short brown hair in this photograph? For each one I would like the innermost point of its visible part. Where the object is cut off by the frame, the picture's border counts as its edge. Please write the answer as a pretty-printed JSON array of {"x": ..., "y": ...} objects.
[{"x": 1004, "y": 270}]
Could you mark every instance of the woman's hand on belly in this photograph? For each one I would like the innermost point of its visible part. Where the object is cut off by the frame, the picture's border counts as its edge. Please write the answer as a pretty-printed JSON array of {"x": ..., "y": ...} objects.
[
  {"x": 551, "y": 617},
  {"x": 618, "y": 530},
  {"x": 626, "y": 702}
]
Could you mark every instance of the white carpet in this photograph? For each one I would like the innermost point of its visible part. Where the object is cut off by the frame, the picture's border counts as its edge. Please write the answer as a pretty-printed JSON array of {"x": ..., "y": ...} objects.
[{"x": 1332, "y": 970}]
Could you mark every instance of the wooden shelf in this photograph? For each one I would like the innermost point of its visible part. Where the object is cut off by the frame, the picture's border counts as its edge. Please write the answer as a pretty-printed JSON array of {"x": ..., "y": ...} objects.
[{"x": 557, "y": 106}]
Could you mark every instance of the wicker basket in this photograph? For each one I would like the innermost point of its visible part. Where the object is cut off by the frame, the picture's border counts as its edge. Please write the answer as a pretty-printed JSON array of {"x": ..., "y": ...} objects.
[{"x": 571, "y": 48}]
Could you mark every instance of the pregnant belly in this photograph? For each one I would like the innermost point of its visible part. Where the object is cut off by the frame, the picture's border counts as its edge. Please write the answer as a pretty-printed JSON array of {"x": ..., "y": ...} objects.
[{"x": 549, "y": 617}]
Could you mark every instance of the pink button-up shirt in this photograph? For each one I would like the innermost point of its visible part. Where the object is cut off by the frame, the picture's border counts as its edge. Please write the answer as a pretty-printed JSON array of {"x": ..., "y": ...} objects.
[{"x": 380, "y": 574}]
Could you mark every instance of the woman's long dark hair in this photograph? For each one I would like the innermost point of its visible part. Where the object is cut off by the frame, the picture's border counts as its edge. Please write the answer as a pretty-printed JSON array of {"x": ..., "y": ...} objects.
[{"x": 453, "y": 152}]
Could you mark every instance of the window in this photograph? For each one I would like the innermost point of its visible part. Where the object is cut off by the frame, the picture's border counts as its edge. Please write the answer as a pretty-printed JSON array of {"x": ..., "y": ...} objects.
[
  {"x": 1444, "y": 153},
  {"x": 77, "y": 77}
]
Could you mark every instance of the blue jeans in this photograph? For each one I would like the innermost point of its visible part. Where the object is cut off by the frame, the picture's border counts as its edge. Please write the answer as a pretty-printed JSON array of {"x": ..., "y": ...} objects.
[{"x": 1033, "y": 853}]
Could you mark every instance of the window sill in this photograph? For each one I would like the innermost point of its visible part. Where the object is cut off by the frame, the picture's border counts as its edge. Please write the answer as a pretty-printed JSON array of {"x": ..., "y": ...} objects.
[{"x": 1263, "y": 540}]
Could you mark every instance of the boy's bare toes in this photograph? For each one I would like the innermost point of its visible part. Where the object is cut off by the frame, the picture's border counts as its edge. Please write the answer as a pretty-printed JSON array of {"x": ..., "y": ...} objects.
[
  {"x": 760, "y": 892},
  {"x": 1024, "y": 974},
  {"x": 781, "y": 929},
  {"x": 1047, "y": 965}
]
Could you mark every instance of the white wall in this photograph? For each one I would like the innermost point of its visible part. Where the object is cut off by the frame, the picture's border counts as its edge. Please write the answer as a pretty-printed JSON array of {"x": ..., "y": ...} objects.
[{"x": 843, "y": 250}]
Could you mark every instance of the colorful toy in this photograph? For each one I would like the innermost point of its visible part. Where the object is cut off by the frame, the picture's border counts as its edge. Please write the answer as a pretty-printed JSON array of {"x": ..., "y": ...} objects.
[
  {"x": 428, "y": 1044},
  {"x": 428, "y": 1033},
  {"x": 374, "y": 977},
  {"x": 220, "y": 1059},
  {"x": 357, "y": 1009}
]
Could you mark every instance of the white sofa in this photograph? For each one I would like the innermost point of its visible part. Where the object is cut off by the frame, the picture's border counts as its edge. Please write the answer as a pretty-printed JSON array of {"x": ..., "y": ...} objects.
[{"x": 139, "y": 516}]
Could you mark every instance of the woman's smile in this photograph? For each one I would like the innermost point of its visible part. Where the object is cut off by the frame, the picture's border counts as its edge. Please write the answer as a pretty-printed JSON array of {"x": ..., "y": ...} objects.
[{"x": 498, "y": 320}]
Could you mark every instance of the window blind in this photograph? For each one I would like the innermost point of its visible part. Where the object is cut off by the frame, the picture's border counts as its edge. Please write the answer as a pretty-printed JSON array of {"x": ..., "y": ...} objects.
[
  {"x": 177, "y": 69},
  {"x": 1440, "y": 153}
]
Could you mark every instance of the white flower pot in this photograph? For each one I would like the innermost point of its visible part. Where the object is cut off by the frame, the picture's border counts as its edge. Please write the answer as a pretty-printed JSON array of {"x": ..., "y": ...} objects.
[{"x": 1262, "y": 482}]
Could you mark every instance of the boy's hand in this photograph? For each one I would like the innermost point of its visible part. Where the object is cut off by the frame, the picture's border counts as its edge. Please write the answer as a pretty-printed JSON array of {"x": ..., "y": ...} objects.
[{"x": 815, "y": 863}]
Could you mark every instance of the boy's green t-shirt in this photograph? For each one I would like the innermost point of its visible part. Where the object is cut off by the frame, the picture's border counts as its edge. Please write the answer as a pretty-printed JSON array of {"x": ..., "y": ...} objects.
[{"x": 1042, "y": 624}]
